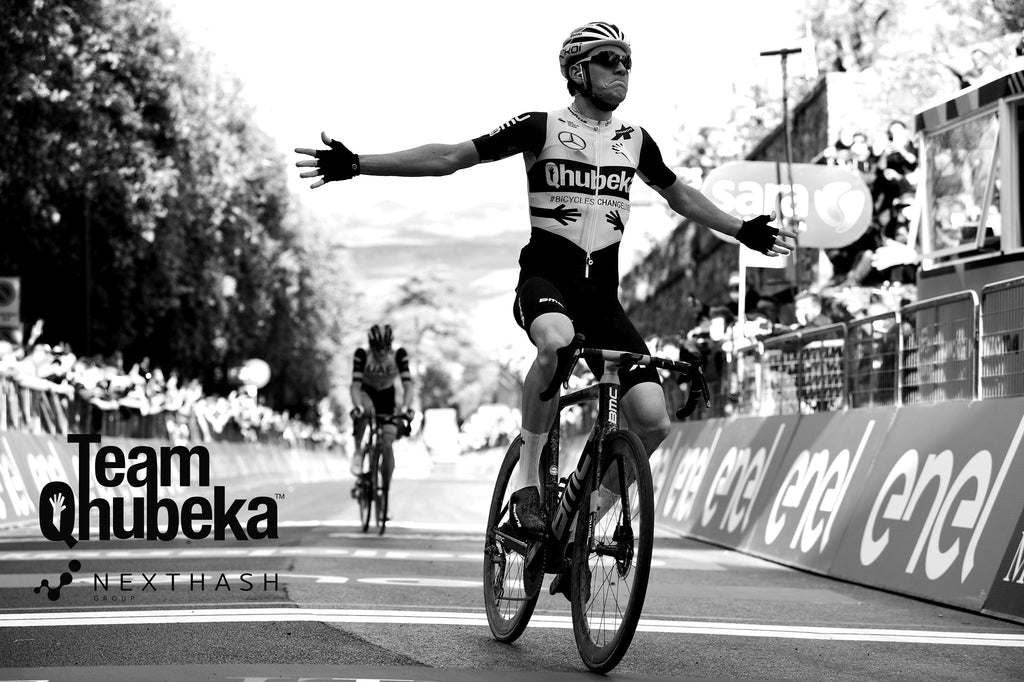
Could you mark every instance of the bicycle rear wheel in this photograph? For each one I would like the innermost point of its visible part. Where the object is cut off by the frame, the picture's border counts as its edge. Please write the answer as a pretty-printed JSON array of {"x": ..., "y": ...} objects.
[
  {"x": 612, "y": 553},
  {"x": 506, "y": 600},
  {"x": 380, "y": 489}
]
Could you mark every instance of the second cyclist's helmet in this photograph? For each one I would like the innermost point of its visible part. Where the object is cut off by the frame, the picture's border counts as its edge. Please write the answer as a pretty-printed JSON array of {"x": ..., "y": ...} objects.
[
  {"x": 589, "y": 37},
  {"x": 380, "y": 337}
]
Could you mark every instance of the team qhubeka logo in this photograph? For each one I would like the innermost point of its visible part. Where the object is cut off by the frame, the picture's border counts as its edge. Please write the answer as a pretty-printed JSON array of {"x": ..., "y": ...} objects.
[{"x": 63, "y": 511}]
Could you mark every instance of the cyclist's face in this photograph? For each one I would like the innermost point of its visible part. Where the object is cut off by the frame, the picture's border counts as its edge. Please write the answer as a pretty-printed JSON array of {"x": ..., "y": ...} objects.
[{"x": 610, "y": 83}]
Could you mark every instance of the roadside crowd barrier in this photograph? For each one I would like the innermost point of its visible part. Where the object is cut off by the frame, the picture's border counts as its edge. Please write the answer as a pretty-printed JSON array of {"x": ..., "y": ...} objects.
[
  {"x": 29, "y": 461},
  {"x": 888, "y": 452},
  {"x": 40, "y": 407},
  {"x": 959, "y": 347}
]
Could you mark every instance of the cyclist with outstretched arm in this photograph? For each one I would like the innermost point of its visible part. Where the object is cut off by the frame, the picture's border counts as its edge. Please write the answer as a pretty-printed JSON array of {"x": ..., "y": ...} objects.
[{"x": 580, "y": 164}]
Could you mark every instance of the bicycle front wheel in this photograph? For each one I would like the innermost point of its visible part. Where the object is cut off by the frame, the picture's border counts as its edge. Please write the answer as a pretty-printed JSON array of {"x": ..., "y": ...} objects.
[
  {"x": 364, "y": 495},
  {"x": 612, "y": 553},
  {"x": 506, "y": 600},
  {"x": 380, "y": 488}
]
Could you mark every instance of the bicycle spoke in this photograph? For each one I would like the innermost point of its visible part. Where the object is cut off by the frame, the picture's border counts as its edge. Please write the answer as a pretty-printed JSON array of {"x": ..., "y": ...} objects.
[{"x": 614, "y": 547}]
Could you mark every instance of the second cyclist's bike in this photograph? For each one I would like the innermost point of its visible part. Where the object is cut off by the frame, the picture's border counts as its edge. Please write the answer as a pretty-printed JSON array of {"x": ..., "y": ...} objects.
[
  {"x": 599, "y": 521},
  {"x": 372, "y": 486}
]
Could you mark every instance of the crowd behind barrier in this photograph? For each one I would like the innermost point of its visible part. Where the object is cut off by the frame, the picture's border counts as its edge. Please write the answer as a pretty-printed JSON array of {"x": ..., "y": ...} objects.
[
  {"x": 49, "y": 390},
  {"x": 954, "y": 348}
]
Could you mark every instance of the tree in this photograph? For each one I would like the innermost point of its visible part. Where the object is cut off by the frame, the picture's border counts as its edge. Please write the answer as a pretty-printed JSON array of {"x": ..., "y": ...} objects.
[{"x": 145, "y": 212}]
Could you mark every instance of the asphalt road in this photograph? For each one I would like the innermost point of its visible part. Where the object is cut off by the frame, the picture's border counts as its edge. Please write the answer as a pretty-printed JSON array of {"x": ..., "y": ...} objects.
[{"x": 326, "y": 601}]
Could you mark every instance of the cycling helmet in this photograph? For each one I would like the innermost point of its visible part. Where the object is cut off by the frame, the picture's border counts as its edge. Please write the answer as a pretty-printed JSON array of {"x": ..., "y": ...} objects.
[
  {"x": 589, "y": 37},
  {"x": 380, "y": 338}
]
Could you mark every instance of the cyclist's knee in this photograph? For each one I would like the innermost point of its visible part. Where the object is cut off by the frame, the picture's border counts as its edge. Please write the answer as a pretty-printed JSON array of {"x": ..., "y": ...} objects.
[
  {"x": 654, "y": 430},
  {"x": 644, "y": 405},
  {"x": 549, "y": 333}
]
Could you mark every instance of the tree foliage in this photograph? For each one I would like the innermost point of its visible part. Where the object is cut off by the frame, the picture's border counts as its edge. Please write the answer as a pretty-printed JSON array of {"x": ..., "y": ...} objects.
[
  {"x": 920, "y": 49},
  {"x": 452, "y": 370},
  {"x": 143, "y": 209}
]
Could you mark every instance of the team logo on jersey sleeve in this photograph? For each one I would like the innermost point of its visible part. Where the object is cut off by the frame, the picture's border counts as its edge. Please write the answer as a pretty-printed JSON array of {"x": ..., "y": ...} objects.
[
  {"x": 572, "y": 141},
  {"x": 509, "y": 123}
]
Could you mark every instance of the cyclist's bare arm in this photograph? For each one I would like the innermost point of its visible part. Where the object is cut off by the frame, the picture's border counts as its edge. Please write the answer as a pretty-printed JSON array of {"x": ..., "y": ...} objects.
[
  {"x": 339, "y": 163},
  {"x": 689, "y": 202},
  {"x": 426, "y": 160},
  {"x": 355, "y": 391},
  {"x": 406, "y": 396}
]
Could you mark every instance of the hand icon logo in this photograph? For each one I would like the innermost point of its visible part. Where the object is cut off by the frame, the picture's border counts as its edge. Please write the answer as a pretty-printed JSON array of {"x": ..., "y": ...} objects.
[{"x": 57, "y": 505}]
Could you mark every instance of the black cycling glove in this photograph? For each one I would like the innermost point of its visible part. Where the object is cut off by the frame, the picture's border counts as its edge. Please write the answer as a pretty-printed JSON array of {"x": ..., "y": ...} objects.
[
  {"x": 757, "y": 234},
  {"x": 337, "y": 163}
]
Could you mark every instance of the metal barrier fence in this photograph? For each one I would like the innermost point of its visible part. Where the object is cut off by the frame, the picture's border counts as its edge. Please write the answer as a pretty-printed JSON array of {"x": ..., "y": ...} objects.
[
  {"x": 804, "y": 371},
  {"x": 745, "y": 380},
  {"x": 959, "y": 347},
  {"x": 1001, "y": 333},
  {"x": 872, "y": 349},
  {"x": 939, "y": 349}
]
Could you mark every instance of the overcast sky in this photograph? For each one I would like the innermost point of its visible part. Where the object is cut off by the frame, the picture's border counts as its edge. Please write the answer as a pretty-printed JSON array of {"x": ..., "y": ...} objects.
[{"x": 382, "y": 76}]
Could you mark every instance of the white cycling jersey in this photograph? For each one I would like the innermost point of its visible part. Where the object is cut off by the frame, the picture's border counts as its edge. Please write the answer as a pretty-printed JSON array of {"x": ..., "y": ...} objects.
[{"x": 579, "y": 173}]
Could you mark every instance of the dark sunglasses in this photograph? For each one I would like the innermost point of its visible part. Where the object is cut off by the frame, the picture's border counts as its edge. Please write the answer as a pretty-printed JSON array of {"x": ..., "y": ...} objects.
[{"x": 610, "y": 60}]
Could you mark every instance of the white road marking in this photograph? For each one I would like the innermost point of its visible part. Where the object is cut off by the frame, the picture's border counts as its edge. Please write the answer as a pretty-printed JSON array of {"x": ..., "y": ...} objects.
[
  {"x": 683, "y": 559},
  {"x": 420, "y": 582},
  {"x": 228, "y": 552},
  {"x": 138, "y": 579},
  {"x": 363, "y": 616}
]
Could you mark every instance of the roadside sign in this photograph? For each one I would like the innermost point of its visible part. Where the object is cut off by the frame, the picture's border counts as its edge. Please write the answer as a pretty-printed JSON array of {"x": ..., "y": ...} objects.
[
  {"x": 10, "y": 303},
  {"x": 833, "y": 204}
]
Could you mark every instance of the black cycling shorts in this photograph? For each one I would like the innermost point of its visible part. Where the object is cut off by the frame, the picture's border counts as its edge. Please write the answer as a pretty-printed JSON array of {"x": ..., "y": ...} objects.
[
  {"x": 383, "y": 400},
  {"x": 600, "y": 319}
]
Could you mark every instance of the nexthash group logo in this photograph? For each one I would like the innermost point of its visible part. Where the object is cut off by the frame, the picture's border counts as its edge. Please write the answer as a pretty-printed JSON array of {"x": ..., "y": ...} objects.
[
  {"x": 146, "y": 469},
  {"x": 53, "y": 593}
]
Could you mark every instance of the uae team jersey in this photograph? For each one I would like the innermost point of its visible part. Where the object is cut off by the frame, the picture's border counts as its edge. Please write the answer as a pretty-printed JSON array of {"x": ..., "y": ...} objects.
[
  {"x": 379, "y": 375},
  {"x": 579, "y": 173}
]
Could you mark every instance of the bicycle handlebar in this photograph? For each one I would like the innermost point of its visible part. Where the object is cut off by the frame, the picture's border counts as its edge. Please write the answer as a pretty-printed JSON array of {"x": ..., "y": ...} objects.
[
  {"x": 382, "y": 417},
  {"x": 569, "y": 355}
]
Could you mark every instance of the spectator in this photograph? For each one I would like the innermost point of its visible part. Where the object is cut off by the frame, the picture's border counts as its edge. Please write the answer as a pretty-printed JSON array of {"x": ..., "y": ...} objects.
[
  {"x": 898, "y": 159},
  {"x": 768, "y": 307},
  {"x": 810, "y": 311}
]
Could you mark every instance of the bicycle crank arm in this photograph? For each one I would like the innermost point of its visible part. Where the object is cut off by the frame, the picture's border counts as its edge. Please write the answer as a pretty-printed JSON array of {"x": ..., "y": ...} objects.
[{"x": 515, "y": 544}]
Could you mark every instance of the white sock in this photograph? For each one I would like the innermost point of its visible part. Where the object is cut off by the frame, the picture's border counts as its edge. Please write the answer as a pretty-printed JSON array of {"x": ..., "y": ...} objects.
[{"x": 529, "y": 458}]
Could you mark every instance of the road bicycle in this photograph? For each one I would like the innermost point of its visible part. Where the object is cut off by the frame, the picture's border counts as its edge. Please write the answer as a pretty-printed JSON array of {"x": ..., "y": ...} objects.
[
  {"x": 372, "y": 487},
  {"x": 599, "y": 520}
]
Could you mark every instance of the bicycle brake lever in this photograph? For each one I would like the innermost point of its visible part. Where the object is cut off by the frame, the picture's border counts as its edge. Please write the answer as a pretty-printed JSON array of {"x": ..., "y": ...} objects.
[{"x": 704, "y": 387}]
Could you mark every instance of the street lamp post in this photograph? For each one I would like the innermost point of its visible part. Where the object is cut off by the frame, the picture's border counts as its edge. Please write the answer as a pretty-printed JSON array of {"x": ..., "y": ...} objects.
[{"x": 783, "y": 53}]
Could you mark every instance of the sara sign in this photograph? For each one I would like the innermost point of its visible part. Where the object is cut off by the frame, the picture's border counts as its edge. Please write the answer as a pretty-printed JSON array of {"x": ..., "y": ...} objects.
[{"x": 833, "y": 203}]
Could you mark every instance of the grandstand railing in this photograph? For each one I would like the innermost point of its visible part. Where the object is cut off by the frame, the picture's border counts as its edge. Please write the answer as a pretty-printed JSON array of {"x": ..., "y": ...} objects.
[{"x": 953, "y": 348}]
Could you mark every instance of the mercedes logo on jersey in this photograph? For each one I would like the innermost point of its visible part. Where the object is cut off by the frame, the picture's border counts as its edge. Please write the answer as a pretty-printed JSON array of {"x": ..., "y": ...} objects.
[{"x": 572, "y": 141}]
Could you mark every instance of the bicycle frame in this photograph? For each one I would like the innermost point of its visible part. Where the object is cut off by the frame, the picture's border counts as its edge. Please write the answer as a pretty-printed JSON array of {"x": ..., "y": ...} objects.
[
  {"x": 374, "y": 431},
  {"x": 564, "y": 506}
]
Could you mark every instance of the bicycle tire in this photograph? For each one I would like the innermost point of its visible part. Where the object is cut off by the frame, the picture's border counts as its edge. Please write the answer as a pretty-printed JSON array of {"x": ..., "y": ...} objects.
[
  {"x": 380, "y": 489},
  {"x": 364, "y": 497},
  {"x": 506, "y": 601},
  {"x": 611, "y": 565}
]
